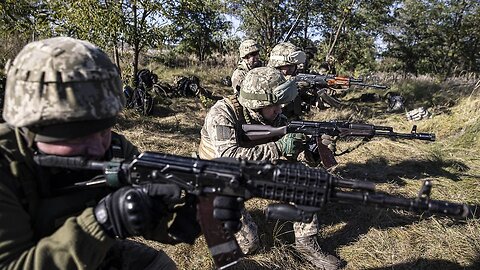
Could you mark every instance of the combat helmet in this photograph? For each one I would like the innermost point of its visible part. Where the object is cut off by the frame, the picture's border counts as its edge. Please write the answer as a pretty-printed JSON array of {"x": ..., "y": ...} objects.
[
  {"x": 284, "y": 54},
  {"x": 62, "y": 88},
  {"x": 266, "y": 86},
  {"x": 248, "y": 46}
]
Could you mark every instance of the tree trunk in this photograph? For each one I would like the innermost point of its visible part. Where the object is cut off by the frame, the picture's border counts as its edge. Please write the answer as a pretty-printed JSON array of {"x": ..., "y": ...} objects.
[
  {"x": 136, "y": 49},
  {"x": 116, "y": 57}
]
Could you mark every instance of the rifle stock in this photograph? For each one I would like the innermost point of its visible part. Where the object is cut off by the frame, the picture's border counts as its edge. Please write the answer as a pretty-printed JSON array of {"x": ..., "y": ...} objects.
[
  {"x": 258, "y": 132},
  {"x": 308, "y": 189},
  {"x": 324, "y": 81}
]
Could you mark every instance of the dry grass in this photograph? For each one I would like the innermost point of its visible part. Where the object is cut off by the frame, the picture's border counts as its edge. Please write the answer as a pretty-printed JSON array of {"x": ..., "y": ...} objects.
[{"x": 365, "y": 238}]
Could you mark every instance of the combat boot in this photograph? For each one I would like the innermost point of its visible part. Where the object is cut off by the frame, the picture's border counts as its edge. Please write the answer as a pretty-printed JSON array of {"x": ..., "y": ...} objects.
[
  {"x": 309, "y": 248},
  {"x": 247, "y": 237}
]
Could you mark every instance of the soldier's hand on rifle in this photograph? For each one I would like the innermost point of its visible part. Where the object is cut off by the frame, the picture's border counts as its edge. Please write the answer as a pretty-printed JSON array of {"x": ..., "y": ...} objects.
[
  {"x": 228, "y": 210},
  {"x": 291, "y": 144},
  {"x": 303, "y": 84},
  {"x": 145, "y": 211},
  {"x": 330, "y": 142}
]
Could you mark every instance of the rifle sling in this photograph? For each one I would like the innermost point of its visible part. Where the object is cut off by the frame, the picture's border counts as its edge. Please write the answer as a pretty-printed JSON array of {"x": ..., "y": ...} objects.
[{"x": 350, "y": 149}]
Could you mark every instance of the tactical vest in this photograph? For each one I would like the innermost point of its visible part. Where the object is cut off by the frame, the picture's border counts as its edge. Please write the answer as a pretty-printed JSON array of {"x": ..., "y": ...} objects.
[{"x": 45, "y": 193}]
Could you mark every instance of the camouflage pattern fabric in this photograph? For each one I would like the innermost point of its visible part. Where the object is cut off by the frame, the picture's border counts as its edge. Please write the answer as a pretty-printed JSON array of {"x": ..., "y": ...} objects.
[
  {"x": 248, "y": 46},
  {"x": 266, "y": 86},
  {"x": 247, "y": 237},
  {"x": 79, "y": 83},
  {"x": 221, "y": 136},
  {"x": 238, "y": 75},
  {"x": 284, "y": 54},
  {"x": 306, "y": 229}
]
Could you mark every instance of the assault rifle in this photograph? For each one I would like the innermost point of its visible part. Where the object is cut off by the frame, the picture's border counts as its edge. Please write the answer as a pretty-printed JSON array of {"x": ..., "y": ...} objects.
[
  {"x": 332, "y": 128},
  {"x": 308, "y": 188},
  {"x": 325, "y": 81}
]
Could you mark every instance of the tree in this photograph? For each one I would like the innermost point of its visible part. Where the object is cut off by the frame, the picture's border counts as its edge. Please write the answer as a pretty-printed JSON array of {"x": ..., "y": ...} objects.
[
  {"x": 435, "y": 36},
  {"x": 345, "y": 28},
  {"x": 349, "y": 30},
  {"x": 20, "y": 22},
  {"x": 197, "y": 26},
  {"x": 267, "y": 22},
  {"x": 109, "y": 22}
]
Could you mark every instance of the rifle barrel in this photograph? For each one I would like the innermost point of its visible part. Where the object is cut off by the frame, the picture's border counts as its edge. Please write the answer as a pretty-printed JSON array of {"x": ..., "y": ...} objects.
[{"x": 376, "y": 86}]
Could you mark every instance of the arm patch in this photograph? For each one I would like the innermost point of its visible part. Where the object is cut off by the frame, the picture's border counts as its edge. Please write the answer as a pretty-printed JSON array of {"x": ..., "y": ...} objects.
[{"x": 223, "y": 132}]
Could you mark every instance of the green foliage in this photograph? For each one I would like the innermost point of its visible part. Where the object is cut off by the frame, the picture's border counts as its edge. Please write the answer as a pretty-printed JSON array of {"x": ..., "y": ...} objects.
[
  {"x": 196, "y": 25},
  {"x": 99, "y": 22},
  {"x": 109, "y": 23},
  {"x": 419, "y": 37},
  {"x": 20, "y": 22},
  {"x": 266, "y": 21},
  {"x": 435, "y": 36},
  {"x": 418, "y": 93}
]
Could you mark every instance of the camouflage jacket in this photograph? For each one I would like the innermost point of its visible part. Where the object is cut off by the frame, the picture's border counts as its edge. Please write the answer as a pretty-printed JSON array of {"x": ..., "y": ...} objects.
[
  {"x": 41, "y": 228},
  {"x": 238, "y": 75},
  {"x": 222, "y": 135}
]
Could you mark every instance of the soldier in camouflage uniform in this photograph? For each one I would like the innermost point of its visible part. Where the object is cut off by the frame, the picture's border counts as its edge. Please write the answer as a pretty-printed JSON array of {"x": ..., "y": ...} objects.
[
  {"x": 328, "y": 66},
  {"x": 286, "y": 57},
  {"x": 262, "y": 94},
  {"x": 250, "y": 58},
  {"x": 62, "y": 98}
]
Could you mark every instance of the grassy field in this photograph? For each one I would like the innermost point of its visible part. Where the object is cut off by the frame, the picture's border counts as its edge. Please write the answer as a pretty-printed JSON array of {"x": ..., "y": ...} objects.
[{"x": 365, "y": 238}]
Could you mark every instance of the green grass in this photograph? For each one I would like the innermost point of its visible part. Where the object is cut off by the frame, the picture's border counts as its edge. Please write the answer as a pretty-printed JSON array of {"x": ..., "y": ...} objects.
[{"x": 365, "y": 238}]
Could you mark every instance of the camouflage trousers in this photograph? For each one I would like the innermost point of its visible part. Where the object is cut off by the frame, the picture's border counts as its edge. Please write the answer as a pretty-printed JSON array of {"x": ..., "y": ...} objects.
[
  {"x": 131, "y": 255},
  {"x": 249, "y": 241},
  {"x": 306, "y": 229},
  {"x": 247, "y": 237}
]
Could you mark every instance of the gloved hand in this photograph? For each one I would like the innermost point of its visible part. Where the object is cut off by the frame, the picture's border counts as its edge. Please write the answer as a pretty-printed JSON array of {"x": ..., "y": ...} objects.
[
  {"x": 303, "y": 84},
  {"x": 228, "y": 209},
  {"x": 135, "y": 211},
  {"x": 183, "y": 227},
  {"x": 291, "y": 144},
  {"x": 330, "y": 142}
]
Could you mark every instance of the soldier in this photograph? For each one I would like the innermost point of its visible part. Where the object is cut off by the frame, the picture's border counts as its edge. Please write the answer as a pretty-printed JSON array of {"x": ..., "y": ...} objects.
[
  {"x": 262, "y": 94},
  {"x": 250, "y": 59},
  {"x": 62, "y": 98},
  {"x": 286, "y": 57},
  {"x": 328, "y": 67}
]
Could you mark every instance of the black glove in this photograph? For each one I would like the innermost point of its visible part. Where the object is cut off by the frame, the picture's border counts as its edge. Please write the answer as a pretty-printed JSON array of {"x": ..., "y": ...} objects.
[
  {"x": 227, "y": 209},
  {"x": 135, "y": 211},
  {"x": 184, "y": 228}
]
